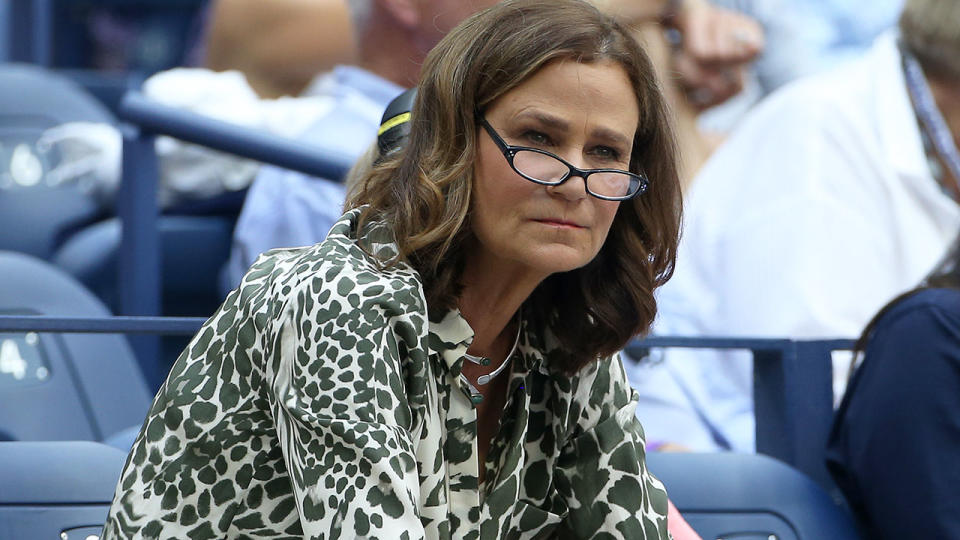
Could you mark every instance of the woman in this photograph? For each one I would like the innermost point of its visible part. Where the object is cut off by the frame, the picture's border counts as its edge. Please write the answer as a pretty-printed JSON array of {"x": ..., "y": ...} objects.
[
  {"x": 442, "y": 366},
  {"x": 894, "y": 444}
]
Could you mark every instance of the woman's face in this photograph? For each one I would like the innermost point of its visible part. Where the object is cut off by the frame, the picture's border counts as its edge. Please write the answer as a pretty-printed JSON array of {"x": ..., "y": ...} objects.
[{"x": 586, "y": 113}]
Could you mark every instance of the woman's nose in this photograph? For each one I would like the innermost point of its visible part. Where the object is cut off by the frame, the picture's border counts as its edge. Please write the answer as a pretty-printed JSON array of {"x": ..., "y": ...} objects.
[{"x": 573, "y": 188}]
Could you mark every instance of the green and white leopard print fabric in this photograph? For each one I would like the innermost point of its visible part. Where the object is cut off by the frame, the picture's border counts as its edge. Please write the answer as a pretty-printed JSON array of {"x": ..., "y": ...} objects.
[{"x": 320, "y": 401}]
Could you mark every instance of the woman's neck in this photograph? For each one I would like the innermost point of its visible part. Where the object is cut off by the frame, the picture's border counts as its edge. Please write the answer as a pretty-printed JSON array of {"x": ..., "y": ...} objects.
[{"x": 491, "y": 296}]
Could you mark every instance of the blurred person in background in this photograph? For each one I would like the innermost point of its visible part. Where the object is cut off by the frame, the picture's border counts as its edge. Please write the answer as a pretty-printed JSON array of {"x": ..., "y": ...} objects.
[
  {"x": 697, "y": 72},
  {"x": 338, "y": 111},
  {"x": 280, "y": 45},
  {"x": 835, "y": 195},
  {"x": 803, "y": 37},
  {"x": 896, "y": 436}
]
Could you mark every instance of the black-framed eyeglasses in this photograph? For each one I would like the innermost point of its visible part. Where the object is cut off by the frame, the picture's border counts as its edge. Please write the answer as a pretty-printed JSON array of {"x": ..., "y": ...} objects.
[{"x": 549, "y": 169}]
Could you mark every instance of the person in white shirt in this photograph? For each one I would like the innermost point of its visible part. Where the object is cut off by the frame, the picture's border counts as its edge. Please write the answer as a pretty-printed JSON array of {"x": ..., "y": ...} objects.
[{"x": 824, "y": 205}]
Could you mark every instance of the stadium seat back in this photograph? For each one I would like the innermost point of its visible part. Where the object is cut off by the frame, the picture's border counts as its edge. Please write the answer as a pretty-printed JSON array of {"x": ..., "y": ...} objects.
[
  {"x": 727, "y": 496},
  {"x": 62, "y": 386},
  {"x": 194, "y": 248},
  {"x": 56, "y": 489}
]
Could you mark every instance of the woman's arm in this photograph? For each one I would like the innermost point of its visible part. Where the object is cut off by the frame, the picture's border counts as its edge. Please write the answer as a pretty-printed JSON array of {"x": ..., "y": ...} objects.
[
  {"x": 678, "y": 527},
  {"x": 339, "y": 400}
]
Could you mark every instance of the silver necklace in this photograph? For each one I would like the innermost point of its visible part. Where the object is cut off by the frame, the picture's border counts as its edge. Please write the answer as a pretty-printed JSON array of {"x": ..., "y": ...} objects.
[{"x": 484, "y": 361}]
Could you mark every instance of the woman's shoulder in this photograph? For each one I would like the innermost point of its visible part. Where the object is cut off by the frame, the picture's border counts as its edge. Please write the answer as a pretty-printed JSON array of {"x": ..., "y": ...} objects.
[
  {"x": 594, "y": 383},
  {"x": 607, "y": 382},
  {"x": 348, "y": 263},
  {"x": 594, "y": 393}
]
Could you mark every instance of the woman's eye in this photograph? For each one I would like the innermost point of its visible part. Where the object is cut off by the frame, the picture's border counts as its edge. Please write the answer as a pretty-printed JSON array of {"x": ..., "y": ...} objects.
[
  {"x": 607, "y": 153},
  {"x": 536, "y": 138}
]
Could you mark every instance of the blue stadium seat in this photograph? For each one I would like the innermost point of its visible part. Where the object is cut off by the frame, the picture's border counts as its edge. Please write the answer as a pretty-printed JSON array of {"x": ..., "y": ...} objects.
[
  {"x": 62, "y": 386},
  {"x": 193, "y": 248},
  {"x": 56, "y": 489},
  {"x": 727, "y": 496},
  {"x": 35, "y": 215}
]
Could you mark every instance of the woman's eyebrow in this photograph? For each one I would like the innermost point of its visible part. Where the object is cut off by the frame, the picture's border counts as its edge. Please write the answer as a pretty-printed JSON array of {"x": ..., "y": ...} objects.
[
  {"x": 548, "y": 120},
  {"x": 612, "y": 136}
]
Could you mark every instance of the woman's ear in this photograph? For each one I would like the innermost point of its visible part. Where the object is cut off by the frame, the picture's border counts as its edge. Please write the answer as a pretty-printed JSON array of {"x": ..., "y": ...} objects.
[{"x": 405, "y": 12}]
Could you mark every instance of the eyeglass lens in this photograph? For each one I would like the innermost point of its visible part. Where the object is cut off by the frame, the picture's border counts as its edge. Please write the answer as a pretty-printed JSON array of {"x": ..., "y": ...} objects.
[{"x": 547, "y": 169}]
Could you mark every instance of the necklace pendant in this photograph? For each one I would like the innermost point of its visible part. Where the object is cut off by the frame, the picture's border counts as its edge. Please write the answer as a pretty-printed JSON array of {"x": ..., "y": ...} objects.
[
  {"x": 478, "y": 360},
  {"x": 484, "y": 361}
]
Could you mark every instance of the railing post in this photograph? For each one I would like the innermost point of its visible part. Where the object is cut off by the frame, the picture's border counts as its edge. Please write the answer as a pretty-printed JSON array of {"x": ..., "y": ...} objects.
[
  {"x": 139, "y": 258},
  {"x": 140, "y": 254},
  {"x": 42, "y": 33},
  {"x": 774, "y": 433},
  {"x": 793, "y": 404},
  {"x": 6, "y": 31},
  {"x": 812, "y": 406}
]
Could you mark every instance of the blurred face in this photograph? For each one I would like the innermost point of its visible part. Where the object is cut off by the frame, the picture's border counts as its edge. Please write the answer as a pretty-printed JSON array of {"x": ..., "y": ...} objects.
[
  {"x": 587, "y": 115},
  {"x": 438, "y": 17}
]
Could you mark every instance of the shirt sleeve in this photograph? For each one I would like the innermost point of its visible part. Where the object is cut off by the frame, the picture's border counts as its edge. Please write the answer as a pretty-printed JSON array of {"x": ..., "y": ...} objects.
[
  {"x": 601, "y": 471},
  {"x": 341, "y": 412}
]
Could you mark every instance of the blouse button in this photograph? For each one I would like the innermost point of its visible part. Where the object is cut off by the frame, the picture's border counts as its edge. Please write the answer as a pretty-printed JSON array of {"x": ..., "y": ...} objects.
[
  {"x": 485, "y": 361},
  {"x": 476, "y": 399}
]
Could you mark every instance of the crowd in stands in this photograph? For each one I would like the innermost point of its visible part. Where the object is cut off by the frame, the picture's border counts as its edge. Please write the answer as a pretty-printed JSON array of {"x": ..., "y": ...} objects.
[
  {"x": 818, "y": 209},
  {"x": 818, "y": 147}
]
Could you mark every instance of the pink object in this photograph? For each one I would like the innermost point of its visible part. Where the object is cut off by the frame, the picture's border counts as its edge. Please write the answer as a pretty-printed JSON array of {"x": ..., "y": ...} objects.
[{"x": 679, "y": 528}]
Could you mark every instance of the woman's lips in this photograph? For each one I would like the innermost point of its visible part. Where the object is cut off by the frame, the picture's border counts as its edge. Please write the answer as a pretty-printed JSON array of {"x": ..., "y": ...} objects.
[{"x": 559, "y": 223}]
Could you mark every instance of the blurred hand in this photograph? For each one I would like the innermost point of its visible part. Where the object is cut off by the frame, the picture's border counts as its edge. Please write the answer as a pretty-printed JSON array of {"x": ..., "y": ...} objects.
[
  {"x": 716, "y": 47},
  {"x": 88, "y": 152},
  {"x": 678, "y": 527},
  {"x": 671, "y": 447}
]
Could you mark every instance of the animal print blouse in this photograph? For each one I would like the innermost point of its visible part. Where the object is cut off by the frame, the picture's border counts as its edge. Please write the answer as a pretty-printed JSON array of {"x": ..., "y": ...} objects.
[{"x": 321, "y": 401}]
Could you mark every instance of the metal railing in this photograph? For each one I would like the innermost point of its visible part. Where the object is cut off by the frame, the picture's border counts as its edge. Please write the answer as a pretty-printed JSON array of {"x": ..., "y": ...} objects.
[
  {"x": 27, "y": 31},
  {"x": 139, "y": 259},
  {"x": 138, "y": 208},
  {"x": 793, "y": 391}
]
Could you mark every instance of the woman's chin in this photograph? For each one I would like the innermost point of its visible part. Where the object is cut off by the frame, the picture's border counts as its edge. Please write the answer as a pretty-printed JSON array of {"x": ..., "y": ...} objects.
[{"x": 556, "y": 259}]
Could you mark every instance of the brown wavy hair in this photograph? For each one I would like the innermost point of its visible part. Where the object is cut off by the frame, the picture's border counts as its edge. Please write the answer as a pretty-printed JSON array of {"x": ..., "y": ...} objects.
[{"x": 424, "y": 192}]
